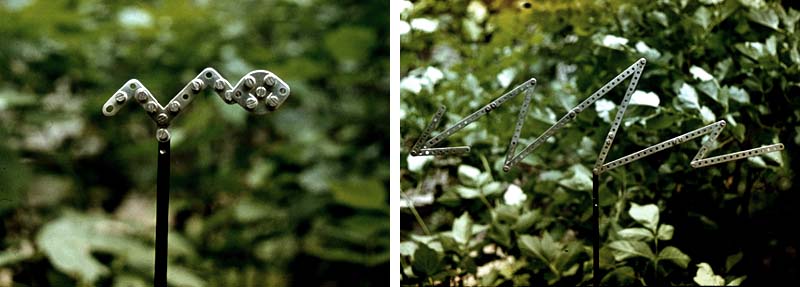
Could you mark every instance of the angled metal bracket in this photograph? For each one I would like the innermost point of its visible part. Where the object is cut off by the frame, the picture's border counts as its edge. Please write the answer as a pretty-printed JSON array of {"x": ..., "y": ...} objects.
[
  {"x": 259, "y": 92},
  {"x": 425, "y": 144}
]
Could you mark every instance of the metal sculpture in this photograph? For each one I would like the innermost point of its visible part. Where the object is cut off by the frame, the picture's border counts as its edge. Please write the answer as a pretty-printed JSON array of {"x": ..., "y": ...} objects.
[{"x": 258, "y": 92}]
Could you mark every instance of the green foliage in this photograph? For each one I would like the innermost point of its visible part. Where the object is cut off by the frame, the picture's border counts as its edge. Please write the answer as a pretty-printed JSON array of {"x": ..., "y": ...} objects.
[
  {"x": 294, "y": 197},
  {"x": 706, "y": 61}
]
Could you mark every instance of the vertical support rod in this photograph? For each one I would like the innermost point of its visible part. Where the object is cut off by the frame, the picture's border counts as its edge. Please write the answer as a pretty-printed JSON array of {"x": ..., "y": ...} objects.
[
  {"x": 596, "y": 241},
  {"x": 162, "y": 215}
]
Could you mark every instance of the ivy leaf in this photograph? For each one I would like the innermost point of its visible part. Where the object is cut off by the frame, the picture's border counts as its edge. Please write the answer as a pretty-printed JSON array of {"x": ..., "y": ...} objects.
[
  {"x": 581, "y": 178},
  {"x": 766, "y": 17},
  {"x": 543, "y": 247},
  {"x": 636, "y": 234},
  {"x": 646, "y": 215},
  {"x": 705, "y": 276},
  {"x": 624, "y": 249},
  {"x": 426, "y": 261},
  {"x": 732, "y": 260},
  {"x": 468, "y": 175},
  {"x": 688, "y": 96},
  {"x": 673, "y": 254},
  {"x": 66, "y": 242},
  {"x": 737, "y": 281},
  {"x": 737, "y": 94},
  {"x": 622, "y": 276},
  {"x": 703, "y": 17},
  {"x": 665, "y": 232},
  {"x": 462, "y": 228}
]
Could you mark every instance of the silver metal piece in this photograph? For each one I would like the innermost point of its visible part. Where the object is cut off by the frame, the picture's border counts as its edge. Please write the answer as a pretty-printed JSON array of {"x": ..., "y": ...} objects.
[
  {"x": 249, "y": 82},
  {"x": 151, "y": 107},
  {"x": 121, "y": 97},
  {"x": 272, "y": 101},
  {"x": 220, "y": 85},
  {"x": 276, "y": 95},
  {"x": 174, "y": 107},
  {"x": 269, "y": 80},
  {"x": 197, "y": 85},
  {"x": 162, "y": 135},
  {"x": 424, "y": 145},
  {"x": 142, "y": 95},
  {"x": 261, "y": 92},
  {"x": 251, "y": 102},
  {"x": 162, "y": 119}
]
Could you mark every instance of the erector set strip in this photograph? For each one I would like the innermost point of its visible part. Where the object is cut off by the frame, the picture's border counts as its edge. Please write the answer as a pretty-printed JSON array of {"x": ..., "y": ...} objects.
[
  {"x": 259, "y": 92},
  {"x": 425, "y": 144}
]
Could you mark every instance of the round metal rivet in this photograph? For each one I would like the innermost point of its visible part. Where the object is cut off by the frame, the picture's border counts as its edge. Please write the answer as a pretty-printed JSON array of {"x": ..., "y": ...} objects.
[
  {"x": 121, "y": 97},
  {"x": 251, "y": 102},
  {"x": 249, "y": 82},
  {"x": 261, "y": 92},
  {"x": 174, "y": 107},
  {"x": 219, "y": 85},
  {"x": 162, "y": 135},
  {"x": 141, "y": 95},
  {"x": 162, "y": 118},
  {"x": 151, "y": 107},
  {"x": 197, "y": 85}
]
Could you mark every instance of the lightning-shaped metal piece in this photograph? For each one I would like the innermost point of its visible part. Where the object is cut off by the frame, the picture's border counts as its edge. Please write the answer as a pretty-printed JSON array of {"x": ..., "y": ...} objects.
[
  {"x": 424, "y": 145},
  {"x": 259, "y": 92}
]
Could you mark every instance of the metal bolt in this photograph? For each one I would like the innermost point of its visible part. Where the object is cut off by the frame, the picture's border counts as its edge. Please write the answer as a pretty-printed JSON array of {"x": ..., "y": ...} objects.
[
  {"x": 162, "y": 118},
  {"x": 249, "y": 82},
  {"x": 197, "y": 85},
  {"x": 269, "y": 80},
  {"x": 151, "y": 107},
  {"x": 174, "y": 107},
  {"x": 261, "y": 92},
  {"x": 219, "y": 85},
  {"x": 162, "y": 135},
  {"x": 228, "y": 96},
  {"x": 141, "y": 95},
  {"x": 251, "y": 102},
  {"x": 121, "y": 97},
  {"x": 272, "y": 101}
]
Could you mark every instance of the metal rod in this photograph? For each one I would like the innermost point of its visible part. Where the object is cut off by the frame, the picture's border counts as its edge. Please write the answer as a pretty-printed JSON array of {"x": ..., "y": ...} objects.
[
  {"x": 162, "y": 214},
  {"x": 596, "y": 241}
]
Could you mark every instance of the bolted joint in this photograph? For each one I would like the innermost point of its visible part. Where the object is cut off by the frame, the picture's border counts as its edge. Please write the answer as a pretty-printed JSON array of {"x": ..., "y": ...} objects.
[
  {"x": 228, "y": 96},
  {"x": 269, "y": 80},
  {"x": 162, "y": 135},
  {"x": 249, "y": 82},
  {"x": 151, "y": 107},
  {"x": 261, "y": 92},
  {"x": 162, "y": 119},
  {"x": 197, "y": 85},
  {"x": 175, "y": 107},
  {"x": 251, "y": 102},
  {"x": 121, "y": 97},
  {"x": 273, "y": 101},
  {"x": 219, "y": 85},
  {"x": 142, "y": 95}
]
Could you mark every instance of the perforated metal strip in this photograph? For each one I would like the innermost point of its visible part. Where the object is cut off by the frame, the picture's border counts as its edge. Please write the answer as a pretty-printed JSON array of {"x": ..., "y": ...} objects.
[
  {"x": 424, "y": 144},
  {"x": 259, "y": 92}
]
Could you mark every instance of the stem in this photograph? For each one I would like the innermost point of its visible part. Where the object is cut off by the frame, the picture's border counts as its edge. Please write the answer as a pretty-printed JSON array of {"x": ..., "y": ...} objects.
[
  {"x": 596, "y": 241},
  {"x": 416, "y": 214},
  {"x": 486, "y": 167},
  {"x": 162, "y": 214}
]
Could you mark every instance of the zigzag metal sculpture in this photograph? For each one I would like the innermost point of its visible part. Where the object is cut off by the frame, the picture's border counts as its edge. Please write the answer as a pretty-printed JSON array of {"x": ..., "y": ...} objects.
[
  {"x": 259, "y": 91},
  {"x": 424, "y": 145}
]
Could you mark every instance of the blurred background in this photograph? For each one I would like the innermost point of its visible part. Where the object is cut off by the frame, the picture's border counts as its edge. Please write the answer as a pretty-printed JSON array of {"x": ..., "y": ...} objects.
[
  {"x": 465, "y": 221},
  {"x": 294, "y": 197}
]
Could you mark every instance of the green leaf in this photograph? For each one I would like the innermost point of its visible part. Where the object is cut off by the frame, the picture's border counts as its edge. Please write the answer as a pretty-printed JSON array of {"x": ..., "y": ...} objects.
[
  {"x": 646, "y": 215},
  {"x": 66, "y": 242},
  {"x": 622, "y": 276},
  {"x": 737, "y": 281},
  {"x": 737, "y": 94},
  {"x": 543, "y": 248},
  {"x": 407, "y": 248},
  {"x": 665, "y": 232},
  {"x": 180, "y": 276},
  {"x": 636, "y": 234},
  {"x": 673, "y": 254},
  {"x": 687, "y": 96},
  {"x": 702, "y": 17},
  {"x": 766, "y": 17},
  {"x": 581, "y": 178},
  {"x": 360, "y": 193},
  {"x": 526, "y": 220},
  {"x": 705, "y": 276},
  {"x": 426, "y": 261},
  {"x": 732, "y": 261},
  {"x": 467, "y": 192},
  {"x": 468, "y": 175},
  {"x": 624, "y": 249},
  {"x": 462, "y": 229}
]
